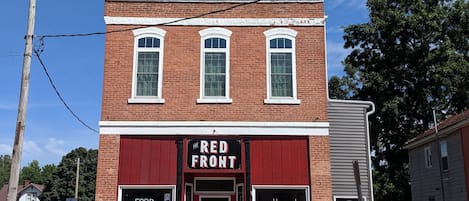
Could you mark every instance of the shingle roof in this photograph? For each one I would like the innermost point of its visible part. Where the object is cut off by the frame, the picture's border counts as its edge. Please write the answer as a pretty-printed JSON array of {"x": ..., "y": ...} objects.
[
  {"x": 4, "y": 190},
  {"x": 442, "y": 125}
]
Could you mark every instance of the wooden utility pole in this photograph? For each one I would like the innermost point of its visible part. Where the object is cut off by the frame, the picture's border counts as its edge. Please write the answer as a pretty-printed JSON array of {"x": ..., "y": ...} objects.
[
  {"x": 21, "y": 119},
  {"x": 77, "y": 179}
]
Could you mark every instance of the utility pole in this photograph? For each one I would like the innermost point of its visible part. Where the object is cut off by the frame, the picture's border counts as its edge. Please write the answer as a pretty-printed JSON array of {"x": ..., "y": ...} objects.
[
  {"x": 77, "y": 179},
  {"x": 21, "y": 119}
]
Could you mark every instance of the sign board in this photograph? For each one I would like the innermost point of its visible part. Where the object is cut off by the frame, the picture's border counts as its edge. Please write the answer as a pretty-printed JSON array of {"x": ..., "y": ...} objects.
[{"x": 214, "y": 154}]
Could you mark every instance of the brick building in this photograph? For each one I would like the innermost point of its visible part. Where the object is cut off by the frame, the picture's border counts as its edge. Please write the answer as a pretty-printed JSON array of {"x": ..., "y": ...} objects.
[{"x": 228, "y": 106}]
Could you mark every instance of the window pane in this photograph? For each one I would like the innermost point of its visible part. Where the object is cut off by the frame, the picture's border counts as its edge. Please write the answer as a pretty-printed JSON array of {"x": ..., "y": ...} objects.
[
  {"x": 222, "y": 43},
  {"x": 214, "y": 185},
  {"x": 141, "y": 42},
  {"x": 208, "y": 43},
  {"x": 288, "y": 43},
  {"x": 280, "y": 43},
  {"x": 444, "y": 149},
  {"x": 149, "y": 42},
  {"x": 215, "y": 42},
  {"x": 280, "y": 195},
  {"x": 215, "y": 62},
  {"x": 281, "y": 75},
  {"x": 146, "y": 194},
  {"x": 147, "y": 73},
  {"x": 215, "y": 74},
  {"x": 273, "y": 43}
]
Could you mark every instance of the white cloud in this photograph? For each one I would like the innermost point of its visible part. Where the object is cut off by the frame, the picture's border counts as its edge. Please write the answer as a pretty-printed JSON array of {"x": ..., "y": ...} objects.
[
  {"x": 55, "y": 146},
  {"x": 32, "y": 148},
  {"x": 5, "y": 149}
]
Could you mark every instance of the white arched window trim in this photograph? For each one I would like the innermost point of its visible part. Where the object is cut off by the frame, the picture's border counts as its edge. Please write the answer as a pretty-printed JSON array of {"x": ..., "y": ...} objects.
[
  {"x": 214, "y": 33},
  {"x": 291, "y": 35},
  {"x": 142, "y": 33}
]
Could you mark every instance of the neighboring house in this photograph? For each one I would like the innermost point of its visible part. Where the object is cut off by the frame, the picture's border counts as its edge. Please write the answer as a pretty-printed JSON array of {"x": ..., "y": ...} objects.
[
  {"x": 26, "y": 192},
  {"x": 439, "y": 164},
  {"x": 349, "y": 141},
  {"x": 228, "y": 106}
]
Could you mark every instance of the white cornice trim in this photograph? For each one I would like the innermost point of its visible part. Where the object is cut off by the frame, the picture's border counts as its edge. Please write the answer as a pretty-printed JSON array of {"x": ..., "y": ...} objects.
[
  {"x": 305, "y": 22},
  {"x": 213, "y": 128}
]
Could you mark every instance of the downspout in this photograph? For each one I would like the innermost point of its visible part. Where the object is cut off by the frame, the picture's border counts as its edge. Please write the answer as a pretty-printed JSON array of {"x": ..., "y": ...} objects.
[{"x": 370, "y": 174}]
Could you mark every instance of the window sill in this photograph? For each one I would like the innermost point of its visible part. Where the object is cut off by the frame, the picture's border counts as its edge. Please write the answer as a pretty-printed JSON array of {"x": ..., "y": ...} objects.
[
  {"x": 146, "y": 100},
  {"x": 282, "y": 101},
  {"x": 214, "y": 100}
]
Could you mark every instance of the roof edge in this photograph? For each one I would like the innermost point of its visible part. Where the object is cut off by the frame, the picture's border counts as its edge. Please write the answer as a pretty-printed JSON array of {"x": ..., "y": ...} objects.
[{"x": 414, "y": 142}]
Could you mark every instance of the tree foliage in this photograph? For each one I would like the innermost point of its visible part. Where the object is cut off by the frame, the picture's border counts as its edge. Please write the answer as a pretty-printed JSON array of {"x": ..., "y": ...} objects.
[
  {"x": 411, "y": 57},
  {"x": 62, "y": 183},
  {"x": 5, "y": 165}
]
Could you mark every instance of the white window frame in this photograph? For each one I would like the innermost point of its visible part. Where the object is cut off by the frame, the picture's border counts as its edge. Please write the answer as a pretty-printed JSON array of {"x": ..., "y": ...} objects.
[
  {"x": 142, "y": 33},
  {"x": 428, "y": 157},
  {"x": 172, "y": 187},
  {"x": 237, "y": 192},
  {"x": 214, "y": 33},
  {"x": 294, "y": 187},
  {"x": 291, "y": 35},
  {"x": 214, "y": 178},
  {"x": 348, "y": 197},
  {"x": 192, "y": 191}
]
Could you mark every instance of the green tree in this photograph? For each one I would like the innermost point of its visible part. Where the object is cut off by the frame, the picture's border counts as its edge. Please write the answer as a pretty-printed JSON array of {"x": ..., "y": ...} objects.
[
  {"x": 411, "y": 57},
  {"x": 32, "y": 173},
  {"x": 62, "y": 184},
  {"x": 5, "y": 165}
]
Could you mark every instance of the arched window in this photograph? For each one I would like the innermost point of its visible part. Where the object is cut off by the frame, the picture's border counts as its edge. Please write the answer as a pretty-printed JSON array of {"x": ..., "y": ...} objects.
[
  {"x": 281, "y": 66},
  {"x": 215, "y": 66},
  {"x": 148, "y": 66}
]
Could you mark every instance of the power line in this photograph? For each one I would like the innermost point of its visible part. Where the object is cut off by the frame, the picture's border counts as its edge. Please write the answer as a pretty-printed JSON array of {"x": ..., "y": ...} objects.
[
  {"x": 37, "y": 54},
  {"x": 159, "y": 24}
]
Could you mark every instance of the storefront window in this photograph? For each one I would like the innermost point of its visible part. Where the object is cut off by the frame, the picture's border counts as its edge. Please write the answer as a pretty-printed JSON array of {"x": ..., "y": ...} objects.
[
  {"x": 281, "y": 194},
  {"x": 135, "y": 193}
]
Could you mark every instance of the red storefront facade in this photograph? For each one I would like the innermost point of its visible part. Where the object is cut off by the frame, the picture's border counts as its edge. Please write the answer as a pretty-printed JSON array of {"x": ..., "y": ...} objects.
[
  {"x": 170, "y": 131},
  {"x": 152, "y": 161}
]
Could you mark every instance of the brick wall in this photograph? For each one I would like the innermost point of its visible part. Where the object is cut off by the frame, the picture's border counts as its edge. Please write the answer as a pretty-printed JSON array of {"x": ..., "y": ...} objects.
[
  {"x": 320, "y": 167},
  {"x": 107, "y": 171},
  {"x": 182, "y": 10},
  {"x": 181, "y": 78}
]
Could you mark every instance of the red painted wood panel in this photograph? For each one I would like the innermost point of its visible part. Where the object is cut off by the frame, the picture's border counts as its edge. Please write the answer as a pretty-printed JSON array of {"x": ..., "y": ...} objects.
[
  {"x": 279, "y": 161},
  {"x": 147, "y": 160}
]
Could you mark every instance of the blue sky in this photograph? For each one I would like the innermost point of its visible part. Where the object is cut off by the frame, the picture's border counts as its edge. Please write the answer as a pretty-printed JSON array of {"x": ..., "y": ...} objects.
[{"x": 76, "y": 65}]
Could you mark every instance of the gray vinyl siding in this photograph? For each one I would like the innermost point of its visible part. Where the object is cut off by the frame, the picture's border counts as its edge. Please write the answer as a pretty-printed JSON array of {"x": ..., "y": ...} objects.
[
  {"x": 348, "y": 142},
  {"x": 425, "y": 181}
]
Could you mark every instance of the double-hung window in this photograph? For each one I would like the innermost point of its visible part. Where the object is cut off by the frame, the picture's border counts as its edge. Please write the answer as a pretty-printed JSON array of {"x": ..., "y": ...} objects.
[
  {"x": 281, "y": 66},
  {"x": 148, "y": 66},
  {"x": 215, "y": 66},
  {"x": 444, "y": 155},
  {"x": 428, "y": 157}
]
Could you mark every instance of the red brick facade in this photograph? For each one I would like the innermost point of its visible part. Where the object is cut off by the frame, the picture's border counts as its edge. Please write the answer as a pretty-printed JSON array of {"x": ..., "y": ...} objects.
[{"x": 181, "y": 79}]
